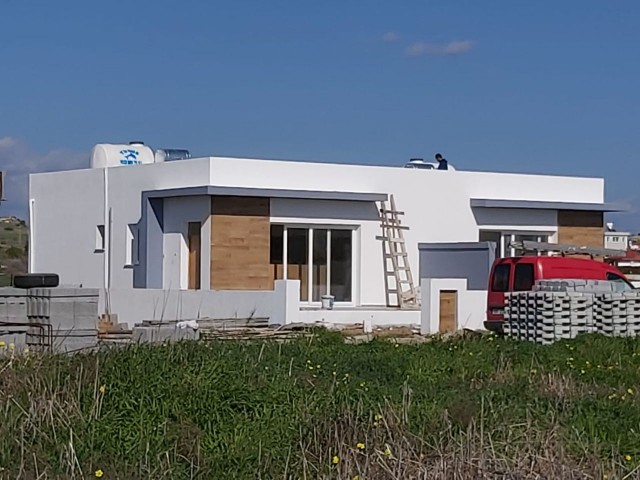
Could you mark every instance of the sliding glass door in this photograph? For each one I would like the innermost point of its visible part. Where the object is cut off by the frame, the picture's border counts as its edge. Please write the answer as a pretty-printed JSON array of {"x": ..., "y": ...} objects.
[{"x": 321, "y": 258}]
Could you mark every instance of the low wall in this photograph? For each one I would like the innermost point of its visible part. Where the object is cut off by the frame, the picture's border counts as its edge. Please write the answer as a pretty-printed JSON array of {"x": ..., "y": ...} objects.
[
  {"x": 471, "y": 304},
  {"x": 375, "y": 317},
  {"x": 135, "y": 305}
]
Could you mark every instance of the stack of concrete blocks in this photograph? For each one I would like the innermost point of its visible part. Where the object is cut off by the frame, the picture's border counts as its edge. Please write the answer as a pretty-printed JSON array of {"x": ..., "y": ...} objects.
[
  {"x": 564, "y": 309},
  {"x": 71, "y": 313},
  {"x": 13, "y": 309}
]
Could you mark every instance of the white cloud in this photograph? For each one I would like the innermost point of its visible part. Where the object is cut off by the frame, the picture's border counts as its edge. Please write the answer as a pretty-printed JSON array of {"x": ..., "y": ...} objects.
[
  {"x": 452, "y": 48},
  {"x": 18, "y": 160},
  {"x": 390, "y": 37}
]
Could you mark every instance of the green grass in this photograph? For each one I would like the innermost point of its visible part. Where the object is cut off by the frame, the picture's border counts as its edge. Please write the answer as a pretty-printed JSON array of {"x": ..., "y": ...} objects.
[{"x": 464, "y": 408}]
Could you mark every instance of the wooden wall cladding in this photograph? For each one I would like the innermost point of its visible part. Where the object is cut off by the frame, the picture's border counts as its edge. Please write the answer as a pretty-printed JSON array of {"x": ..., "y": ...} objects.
[
  {"x": 581, "y": 228},
  {"x": 240, "y": 232},
  {"x": 448, "y": 311}
]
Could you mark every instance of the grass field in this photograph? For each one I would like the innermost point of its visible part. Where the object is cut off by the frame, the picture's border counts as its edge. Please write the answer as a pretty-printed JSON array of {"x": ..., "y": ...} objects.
[
  {"x": 13, "y": 241},
  {"x": 464, "y": 408}
]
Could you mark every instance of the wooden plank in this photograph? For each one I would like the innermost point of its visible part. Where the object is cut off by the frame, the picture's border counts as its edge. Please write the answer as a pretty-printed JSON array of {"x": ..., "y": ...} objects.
[
  {"x": 240, "y": 244},
  {"x": 448, "y": 311},
  {"x": 195, "y": 254},
  {"x": 581, "y": 228}
]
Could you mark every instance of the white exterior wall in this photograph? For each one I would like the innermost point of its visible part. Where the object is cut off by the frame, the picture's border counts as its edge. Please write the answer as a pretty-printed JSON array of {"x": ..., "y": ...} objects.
[
  {"x": 69, "y": 205},
  {"x": 125, "y": 187},
  {"x": 178, "y": 212},
  {"x": 67, "y": 208},
  {"x": 471, "y": 304}
]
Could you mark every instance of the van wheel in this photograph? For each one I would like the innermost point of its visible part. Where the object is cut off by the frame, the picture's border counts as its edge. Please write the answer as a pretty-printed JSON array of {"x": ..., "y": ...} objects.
[{"x": 36, "y": 280}]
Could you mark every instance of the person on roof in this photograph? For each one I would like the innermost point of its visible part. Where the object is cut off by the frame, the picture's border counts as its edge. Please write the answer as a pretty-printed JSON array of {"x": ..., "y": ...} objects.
[{"x": 442, "y": 162}]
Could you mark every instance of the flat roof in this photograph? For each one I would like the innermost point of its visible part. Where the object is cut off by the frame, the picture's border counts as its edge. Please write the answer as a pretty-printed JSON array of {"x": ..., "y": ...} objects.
[
  {"x": 542, "y": 205},
  {"x": 266, "y": 192}
]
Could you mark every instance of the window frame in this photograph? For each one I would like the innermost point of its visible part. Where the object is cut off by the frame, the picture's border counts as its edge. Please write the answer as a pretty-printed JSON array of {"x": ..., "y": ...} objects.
[
  {"x": 508, "y": 236},
  {"x": 355, "y": 252}
]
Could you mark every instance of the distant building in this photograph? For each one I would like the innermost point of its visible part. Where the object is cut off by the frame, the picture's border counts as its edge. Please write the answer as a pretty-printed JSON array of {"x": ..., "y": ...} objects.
[{"x": 616, "y": 240}]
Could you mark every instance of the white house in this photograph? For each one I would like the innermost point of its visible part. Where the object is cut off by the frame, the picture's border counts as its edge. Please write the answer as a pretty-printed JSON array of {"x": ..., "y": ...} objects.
[
  {"x": 616, "y": 240},
  {"x": 238, "y": 224}
]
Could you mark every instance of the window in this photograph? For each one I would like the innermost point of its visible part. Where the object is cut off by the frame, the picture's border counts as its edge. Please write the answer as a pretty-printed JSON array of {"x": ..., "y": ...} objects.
[
  {"x": 298, "y": 259},
  {"x": 505, "y": 241},
  {"x": 99, "y": 238},
  {"x": 523, "y": 277},
  {"x": 516, "y": 239},
  {"x": 340, "y": 284},
  {"x": 321, "y": 258},
  {"x": 132, "y": 245},
  {"x": 620, "y": 283},
  {"x": 501, "y": 278}
]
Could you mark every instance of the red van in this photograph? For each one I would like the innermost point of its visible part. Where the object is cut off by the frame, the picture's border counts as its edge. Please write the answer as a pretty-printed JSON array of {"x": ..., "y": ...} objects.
[{"x": 518, "y": 274}]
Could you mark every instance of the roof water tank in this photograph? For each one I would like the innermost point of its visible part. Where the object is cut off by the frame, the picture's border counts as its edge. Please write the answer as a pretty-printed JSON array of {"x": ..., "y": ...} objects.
[
  {"x": 117, "y": 155},
  {"x": 169, "y": 154}
]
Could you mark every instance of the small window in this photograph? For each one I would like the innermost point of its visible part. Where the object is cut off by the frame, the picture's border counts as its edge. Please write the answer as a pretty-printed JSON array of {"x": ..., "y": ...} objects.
[
  {"x": 501, "y": 278},
  {"x": 621, "y": 283},
  {"x": 523, "y": 277},
  {"x": 131, "y": 247},
  {"x": 99, "y": 238}
]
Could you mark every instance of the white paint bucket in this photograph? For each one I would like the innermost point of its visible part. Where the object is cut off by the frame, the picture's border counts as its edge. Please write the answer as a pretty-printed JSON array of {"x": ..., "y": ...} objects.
[{"x": 327, "y": 302}]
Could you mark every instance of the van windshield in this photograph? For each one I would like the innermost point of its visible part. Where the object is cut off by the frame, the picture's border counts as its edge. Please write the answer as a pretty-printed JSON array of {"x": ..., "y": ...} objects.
[
  {"x": 621, "y": 284},
  {"x": 501, "y": 277}
]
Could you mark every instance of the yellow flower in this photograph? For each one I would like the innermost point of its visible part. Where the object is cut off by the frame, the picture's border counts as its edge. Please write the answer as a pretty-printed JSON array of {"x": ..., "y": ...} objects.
[
  {"x": 335, "y": 460},
  {"x": 387, "y": 451},
  {"x": 630, "y": 391},
  {"x": 397, "y": 345},
  {"x": 102, "y": 389},
  {"x": 378, "y": 417},
  {"x": 2, "y": 344},
  {"x": 318, "y": 366},
  {"x": 335, "y": 373},
  {"x": 26, "y": 350},
  {"x": 627, "y": 457},
  {"x": 357, "y": 477},
  {"x": 12, "y": 345},
  {"x": 490, "y": 339},
  {"x": 612, "y": 396},
  {"x": 534, "y": 371},
  {"x": 360, "y": 446},
  {"x": 98, "y": 473},
  {"x": 582, "y": 372}
]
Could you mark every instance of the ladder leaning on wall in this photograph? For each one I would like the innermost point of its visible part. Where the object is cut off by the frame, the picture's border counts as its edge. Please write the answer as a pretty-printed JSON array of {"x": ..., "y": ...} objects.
[{"x": 398, "y": 281}]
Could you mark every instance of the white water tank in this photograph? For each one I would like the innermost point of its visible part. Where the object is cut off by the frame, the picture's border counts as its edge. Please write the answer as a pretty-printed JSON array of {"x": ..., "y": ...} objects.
[{"x": 117, "y": 155}]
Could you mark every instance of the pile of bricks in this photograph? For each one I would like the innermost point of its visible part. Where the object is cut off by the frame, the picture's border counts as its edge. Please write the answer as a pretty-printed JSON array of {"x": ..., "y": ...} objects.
[{"x": 557, "y": 310}]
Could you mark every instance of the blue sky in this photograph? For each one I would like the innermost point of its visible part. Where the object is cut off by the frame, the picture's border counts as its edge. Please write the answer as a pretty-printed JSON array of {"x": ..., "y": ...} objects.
[{"x": 544, "y": 87}]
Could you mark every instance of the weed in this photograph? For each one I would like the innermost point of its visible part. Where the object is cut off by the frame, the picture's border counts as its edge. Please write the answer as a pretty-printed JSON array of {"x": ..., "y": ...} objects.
[{"x": 318, "y": 408}]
